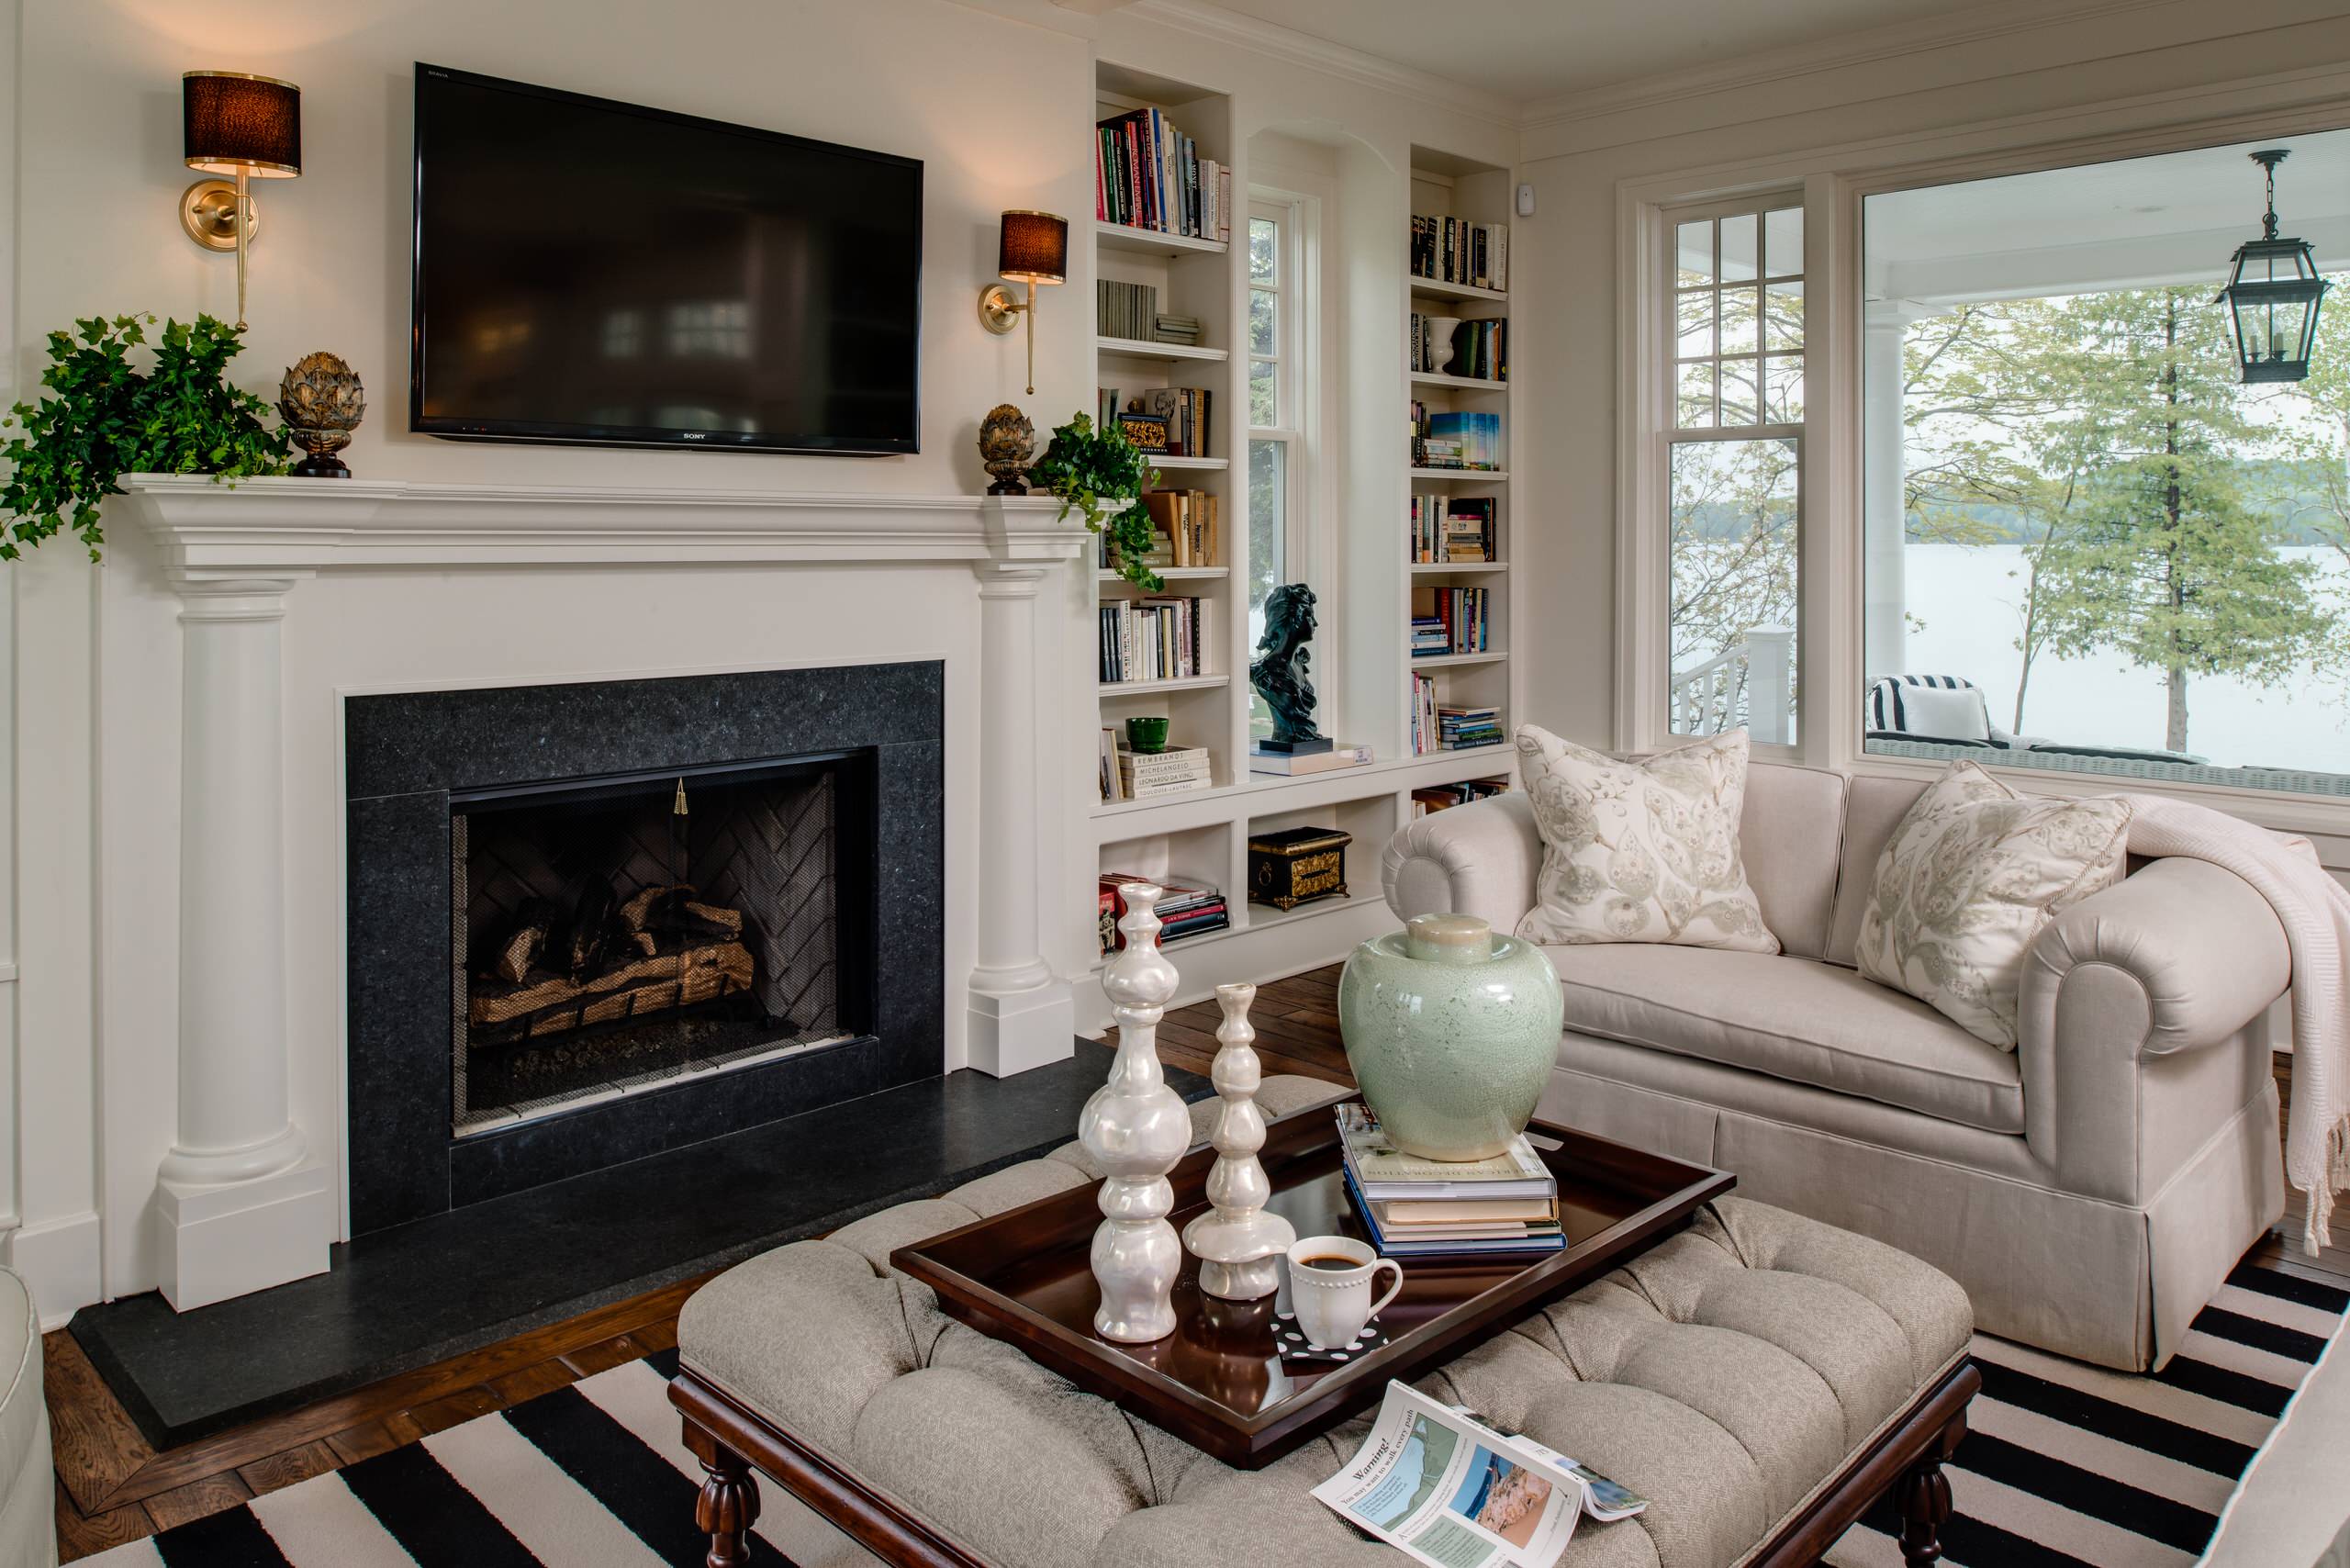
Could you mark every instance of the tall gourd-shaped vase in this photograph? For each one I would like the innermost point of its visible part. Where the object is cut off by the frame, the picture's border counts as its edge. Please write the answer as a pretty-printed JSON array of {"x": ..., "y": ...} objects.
[{"x": 1136, "y": 1129}]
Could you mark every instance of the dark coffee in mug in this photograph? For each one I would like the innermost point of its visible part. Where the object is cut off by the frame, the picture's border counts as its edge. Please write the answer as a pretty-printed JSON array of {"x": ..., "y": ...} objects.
[{"x": 1328, "y": 1261}]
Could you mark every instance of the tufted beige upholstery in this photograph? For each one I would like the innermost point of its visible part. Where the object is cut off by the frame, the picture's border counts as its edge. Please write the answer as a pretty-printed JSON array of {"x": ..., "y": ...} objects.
[{"x": 1727, "y": 1374}]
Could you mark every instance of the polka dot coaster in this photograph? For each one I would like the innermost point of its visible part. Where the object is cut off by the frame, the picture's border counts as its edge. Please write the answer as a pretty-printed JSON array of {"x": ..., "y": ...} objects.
[{"x": 1290, "y": 1341}]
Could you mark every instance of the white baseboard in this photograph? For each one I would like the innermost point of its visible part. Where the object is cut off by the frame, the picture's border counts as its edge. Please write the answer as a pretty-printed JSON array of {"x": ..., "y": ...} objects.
[
  {"x": 1025, "y": 1029},
  {"x": 214, "y": 1242},
  {"x": 60, "y": 1259}
]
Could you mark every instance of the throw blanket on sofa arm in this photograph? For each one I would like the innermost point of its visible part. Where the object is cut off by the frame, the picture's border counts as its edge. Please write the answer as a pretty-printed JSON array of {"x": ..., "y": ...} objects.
[{"x": 2314, "y": 909}]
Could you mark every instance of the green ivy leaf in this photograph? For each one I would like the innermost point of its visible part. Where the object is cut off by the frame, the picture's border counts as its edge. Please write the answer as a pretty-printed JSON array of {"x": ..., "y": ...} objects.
[{"x": 1102, "y": 474}]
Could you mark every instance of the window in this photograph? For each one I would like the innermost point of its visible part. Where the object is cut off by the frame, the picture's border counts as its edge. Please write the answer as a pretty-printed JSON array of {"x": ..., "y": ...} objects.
[
  {"x": 1277, "y": 391},
  {"x": 1734, "y": 469},
  {"x": 2076, "y": 516}
]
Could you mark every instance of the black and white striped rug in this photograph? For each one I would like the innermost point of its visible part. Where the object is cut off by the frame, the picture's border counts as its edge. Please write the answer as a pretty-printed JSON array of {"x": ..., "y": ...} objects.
[{"x": 2065, "y": 1465}]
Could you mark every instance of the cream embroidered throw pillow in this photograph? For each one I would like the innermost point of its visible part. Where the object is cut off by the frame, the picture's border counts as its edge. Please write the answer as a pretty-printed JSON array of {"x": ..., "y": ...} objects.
[
  {"x": 1966, "y": 883},
  {"x": 1641, "y": 851}
]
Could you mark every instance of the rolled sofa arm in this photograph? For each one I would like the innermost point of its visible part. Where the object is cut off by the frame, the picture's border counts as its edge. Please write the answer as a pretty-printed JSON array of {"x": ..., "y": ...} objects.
[
  {"x": 2176, "y": 958},
  {"x": 1480, "y": 860}
]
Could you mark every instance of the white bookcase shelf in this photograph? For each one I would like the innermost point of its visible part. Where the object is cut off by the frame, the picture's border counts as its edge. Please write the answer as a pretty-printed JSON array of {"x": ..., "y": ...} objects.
[
  {"x": 1431, "y": 288},
  {"x": 1500, "y": 389},
  {"x": 1135, "y": 348},
  {"x": 1464, "y": 475},
  {"x": 1151, "y": 242}
]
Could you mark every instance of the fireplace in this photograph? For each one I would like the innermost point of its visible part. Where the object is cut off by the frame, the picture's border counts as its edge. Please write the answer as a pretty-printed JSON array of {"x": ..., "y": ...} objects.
[
  {"x": 613, "y": 936},
  {"x": 593, "y": 923}
]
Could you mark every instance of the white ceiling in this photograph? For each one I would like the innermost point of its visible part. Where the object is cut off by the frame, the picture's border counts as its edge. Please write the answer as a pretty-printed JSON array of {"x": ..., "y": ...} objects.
[{"x": 1530, "y": 51}]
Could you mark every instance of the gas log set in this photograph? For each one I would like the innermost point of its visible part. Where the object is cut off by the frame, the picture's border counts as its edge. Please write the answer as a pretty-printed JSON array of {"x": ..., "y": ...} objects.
[{"x": 605, "y": 962}]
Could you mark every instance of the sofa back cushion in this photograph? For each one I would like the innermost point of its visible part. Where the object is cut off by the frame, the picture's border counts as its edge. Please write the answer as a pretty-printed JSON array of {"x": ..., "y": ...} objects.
[
  {"x": 1873, "y": 809},
  {"x": 1788, "y": 834}
]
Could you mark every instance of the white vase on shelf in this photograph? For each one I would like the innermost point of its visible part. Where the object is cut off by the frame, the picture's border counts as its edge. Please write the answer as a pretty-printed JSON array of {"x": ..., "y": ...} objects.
[
  {"x": 1238, "y": 1244},
  {"x": 1136, "y": 1128},
  {"x": 1440, "y": 331}
]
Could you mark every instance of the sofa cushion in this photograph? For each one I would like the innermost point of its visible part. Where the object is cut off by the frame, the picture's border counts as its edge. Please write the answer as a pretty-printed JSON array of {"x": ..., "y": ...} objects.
[
  {"x": 1873, "y": 809},
  {"x": 1792, "y": 1018},
  {"x": 1789, "y": 833}
]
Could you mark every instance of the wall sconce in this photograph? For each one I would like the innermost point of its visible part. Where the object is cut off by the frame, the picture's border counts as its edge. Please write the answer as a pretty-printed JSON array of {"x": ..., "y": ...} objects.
[
  {"x": 1033, "y": 250},
  {"x": 236, "y": 124}
]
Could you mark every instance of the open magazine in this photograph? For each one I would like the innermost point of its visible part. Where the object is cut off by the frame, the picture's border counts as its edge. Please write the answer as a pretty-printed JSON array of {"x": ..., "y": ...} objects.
[{"x": 1454, "y": 1493}]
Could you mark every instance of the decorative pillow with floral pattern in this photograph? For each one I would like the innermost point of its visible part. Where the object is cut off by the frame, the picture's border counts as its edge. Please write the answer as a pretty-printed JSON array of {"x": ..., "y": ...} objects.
[
  {"x": 1641, "y": 851},
  {"x": 1967, "y": 883}
]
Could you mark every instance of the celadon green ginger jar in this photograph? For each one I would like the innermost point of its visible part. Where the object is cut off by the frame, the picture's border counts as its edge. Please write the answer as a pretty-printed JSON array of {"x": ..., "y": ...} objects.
[{"x": 1451, "y": 1032}]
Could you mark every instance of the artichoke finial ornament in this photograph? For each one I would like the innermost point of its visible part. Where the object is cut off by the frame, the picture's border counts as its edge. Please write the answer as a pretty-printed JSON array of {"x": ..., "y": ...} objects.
[
  {"x": 1007, "y": 441},
  {"x": 323, "y": 402}
]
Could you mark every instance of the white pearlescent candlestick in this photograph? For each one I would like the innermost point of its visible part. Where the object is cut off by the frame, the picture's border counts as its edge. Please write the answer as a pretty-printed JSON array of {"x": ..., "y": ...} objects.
[
  {"x": 1238, "y": 1244},
  {"x": 1136, "y": 1129}
]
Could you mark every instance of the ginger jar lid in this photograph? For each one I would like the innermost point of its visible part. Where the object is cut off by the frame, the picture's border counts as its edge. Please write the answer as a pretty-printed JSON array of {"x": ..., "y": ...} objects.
[{"x": 1449, "y": 939}]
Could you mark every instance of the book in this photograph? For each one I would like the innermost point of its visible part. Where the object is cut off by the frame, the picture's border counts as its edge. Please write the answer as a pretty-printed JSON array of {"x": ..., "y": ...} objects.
[
  {"x": 1158, "y": 638},
  {"x": 1110, "y": 778},
  {"x": 1453, "y": 250},
  {"x": 1459, "y": 728},
  {"x": 1183, "y": 909},
  {"x": 1190, "y": 518},
  {"x": 1299, "y": 764},
  {"x": 1409, "y": 1213},
  {"x": 1390, "y": 1245},
  {"x": 1149, "y": 175},
  {"x": 1450, "y": 621},
  {"x": 1186, "y": 410},
  {"x": 1381, "y": 1172}
]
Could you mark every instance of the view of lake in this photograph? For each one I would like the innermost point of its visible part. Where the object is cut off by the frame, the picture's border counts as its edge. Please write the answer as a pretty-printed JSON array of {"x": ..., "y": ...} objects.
[{"x": 1968, "y": 597}]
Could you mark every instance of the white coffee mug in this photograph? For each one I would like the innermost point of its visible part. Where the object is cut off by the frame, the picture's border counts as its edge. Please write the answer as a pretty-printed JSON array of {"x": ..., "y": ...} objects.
[{"x": 1333, "y": 1303}]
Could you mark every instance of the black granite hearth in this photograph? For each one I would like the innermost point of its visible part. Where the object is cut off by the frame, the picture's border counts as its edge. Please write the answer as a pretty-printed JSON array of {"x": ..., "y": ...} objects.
[{"x": 420, "y": 1293}]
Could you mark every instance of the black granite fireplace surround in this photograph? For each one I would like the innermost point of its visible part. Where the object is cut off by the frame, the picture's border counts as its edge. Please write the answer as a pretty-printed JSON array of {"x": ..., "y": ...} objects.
[{"x": 872, "y": 733}]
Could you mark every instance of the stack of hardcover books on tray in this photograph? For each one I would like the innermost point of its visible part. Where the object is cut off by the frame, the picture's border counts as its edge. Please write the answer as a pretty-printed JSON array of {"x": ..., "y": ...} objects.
[{"x": 1429, "y": 1208}]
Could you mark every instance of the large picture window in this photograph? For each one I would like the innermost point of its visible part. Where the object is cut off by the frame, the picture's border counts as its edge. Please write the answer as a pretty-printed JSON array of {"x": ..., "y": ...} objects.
[
  {"x": 2088, "y": 544},
  {"x": 1733, "y": 469}
]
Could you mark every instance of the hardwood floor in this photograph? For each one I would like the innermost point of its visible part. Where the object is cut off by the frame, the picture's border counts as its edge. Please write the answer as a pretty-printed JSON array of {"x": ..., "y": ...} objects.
[{"x": 112, "y": 1487}]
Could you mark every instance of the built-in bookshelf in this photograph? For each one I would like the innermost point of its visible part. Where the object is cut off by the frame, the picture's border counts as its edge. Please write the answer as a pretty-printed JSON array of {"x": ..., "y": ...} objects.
[{"x": 1200, "y": 836}]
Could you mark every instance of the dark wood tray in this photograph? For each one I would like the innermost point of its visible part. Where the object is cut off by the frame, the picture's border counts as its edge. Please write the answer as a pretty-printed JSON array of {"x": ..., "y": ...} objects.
[{"x": 1023, "y": 1277}]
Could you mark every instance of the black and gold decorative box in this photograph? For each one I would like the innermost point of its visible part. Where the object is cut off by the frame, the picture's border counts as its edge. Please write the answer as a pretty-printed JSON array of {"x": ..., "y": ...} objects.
[
  {"x": 1298, "y": 864},
  {"x": 1147, "y": 432}
]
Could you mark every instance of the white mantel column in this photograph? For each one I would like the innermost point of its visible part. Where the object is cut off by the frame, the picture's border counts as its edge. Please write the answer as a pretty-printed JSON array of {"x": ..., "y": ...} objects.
[
  {"x": 1884, "y": 514},
  {"x": 241, "y": 1205},
  {"x": 1022, "y": 1015}
]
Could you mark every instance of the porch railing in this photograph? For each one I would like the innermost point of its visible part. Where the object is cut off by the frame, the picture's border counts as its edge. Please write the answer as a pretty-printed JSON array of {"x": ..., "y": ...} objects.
[{"x": 1746, "y": 684}]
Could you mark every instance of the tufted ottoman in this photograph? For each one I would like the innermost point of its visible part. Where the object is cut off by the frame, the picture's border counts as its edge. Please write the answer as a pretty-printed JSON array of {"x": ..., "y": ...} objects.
[{"x": 1761, "y": 1378}]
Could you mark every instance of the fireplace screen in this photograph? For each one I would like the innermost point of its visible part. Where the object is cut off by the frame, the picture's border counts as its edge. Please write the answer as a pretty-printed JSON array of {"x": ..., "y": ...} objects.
[{"x": 613, "y": 934}]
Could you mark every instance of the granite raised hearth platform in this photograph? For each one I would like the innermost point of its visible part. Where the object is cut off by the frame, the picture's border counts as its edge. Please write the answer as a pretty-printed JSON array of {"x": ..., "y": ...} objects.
[{"x": 417, "y": 1293}]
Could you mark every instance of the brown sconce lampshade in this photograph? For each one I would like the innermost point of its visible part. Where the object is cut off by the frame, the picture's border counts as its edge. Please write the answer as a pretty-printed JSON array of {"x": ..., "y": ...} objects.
[
  {"x": 1035, "y": 248},
  {"x": 234, "y": 123}
]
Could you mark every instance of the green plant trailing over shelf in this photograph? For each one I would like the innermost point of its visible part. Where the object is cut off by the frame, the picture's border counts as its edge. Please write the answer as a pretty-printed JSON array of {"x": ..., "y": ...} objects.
[
  {"x": 1102, "y": 474},
  {"x": 104, "y": 418}
]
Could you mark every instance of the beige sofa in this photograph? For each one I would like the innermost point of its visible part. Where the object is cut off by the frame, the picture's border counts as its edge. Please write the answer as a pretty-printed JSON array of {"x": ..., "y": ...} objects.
[{"x": 2090, "y": 1190}]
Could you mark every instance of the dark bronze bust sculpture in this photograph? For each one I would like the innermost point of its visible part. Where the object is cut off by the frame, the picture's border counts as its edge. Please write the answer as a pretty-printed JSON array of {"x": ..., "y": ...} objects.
[{"x": 1280, "y": 671}]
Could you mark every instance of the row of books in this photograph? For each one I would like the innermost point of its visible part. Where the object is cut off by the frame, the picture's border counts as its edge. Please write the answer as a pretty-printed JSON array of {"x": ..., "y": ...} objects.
[
  {"x": 1155, "y": 639},
  {"x": 1425, "y": 734},
  {"x": 1453, "y": 250},
  {"x": 1130, "y": 775},
  {"x": 1443, "y": 796},
  {"x": 1443, "y": 529},
  {"x": 1478, "y": 348},
  {"x": 1126, "y": 310},
  {"x": 1183, "y": 911},
  {"x": 1455, "y": 440},
  {"x": 1169, "y": 421},
  {"x": 1147, "y": 175},
  {"x": 1427, "y": 1208},
  {"x": 1450, "y": 621}
]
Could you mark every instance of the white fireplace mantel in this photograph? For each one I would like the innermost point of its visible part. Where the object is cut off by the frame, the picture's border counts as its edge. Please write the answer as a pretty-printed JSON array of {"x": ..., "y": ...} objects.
[
  {"x": 285, "y": 526},
  {"x": 242, "y": 1201}
]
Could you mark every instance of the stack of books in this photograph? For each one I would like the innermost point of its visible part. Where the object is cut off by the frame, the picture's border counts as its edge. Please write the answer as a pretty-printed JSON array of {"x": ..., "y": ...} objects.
[
  {"x": 1126, "y": 310},
  {"x": 1450, "y": 621},
  {"x": 1448, "y": 529},
  {"x": 1188, "y": 519},
  {"x": 1453, "y": 250},
  {"x": 1466, "y": 441},
  {"x": 1185, "y": 329},
  {"x": 1431, "y": 1208},
  {"x": 1299, "y": 764},
  {"x": 1155, "y": 639},
  {"x": 1146, "y": 775},
  {"x": 1183, "y": 911},
  {"x": 1147, "y": 175},
  {"x": 1464, "y": 729},
  {"x": 1442, "y": 796}
]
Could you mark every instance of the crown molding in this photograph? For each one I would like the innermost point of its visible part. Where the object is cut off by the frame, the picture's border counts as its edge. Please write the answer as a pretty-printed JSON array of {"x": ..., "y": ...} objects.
[
  {"x": 1976, "y": 24},
  {"x": 1274, "y": 41}
]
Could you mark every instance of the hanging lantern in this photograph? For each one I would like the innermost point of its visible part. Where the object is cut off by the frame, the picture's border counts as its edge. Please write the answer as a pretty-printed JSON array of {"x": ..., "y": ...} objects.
[{"x": 2273, "y": 294}]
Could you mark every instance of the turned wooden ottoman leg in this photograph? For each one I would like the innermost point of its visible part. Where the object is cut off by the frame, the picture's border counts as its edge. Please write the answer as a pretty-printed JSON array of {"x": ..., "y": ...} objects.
[
  {"x": 727, "y": 1507},
  {"x": 1923, "y": 1498}
]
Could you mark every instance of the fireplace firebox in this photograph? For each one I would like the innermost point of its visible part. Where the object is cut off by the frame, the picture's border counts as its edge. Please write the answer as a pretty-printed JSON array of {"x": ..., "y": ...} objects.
[{"x": 593, "y": 923}]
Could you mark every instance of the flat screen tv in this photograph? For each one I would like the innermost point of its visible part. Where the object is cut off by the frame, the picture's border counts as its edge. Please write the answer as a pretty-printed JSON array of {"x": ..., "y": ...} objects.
[{"x": 593, "y": 272}]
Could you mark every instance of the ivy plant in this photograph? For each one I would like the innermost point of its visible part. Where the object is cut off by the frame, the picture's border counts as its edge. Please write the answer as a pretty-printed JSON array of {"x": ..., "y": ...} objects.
[
  {"x": 1102, "y": 474},
  {"x": 105, "y": 418}
]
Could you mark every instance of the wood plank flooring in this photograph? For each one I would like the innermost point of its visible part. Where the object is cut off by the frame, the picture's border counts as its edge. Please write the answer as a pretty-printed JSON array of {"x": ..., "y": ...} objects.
[{"x": 113, "y": 1487}]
